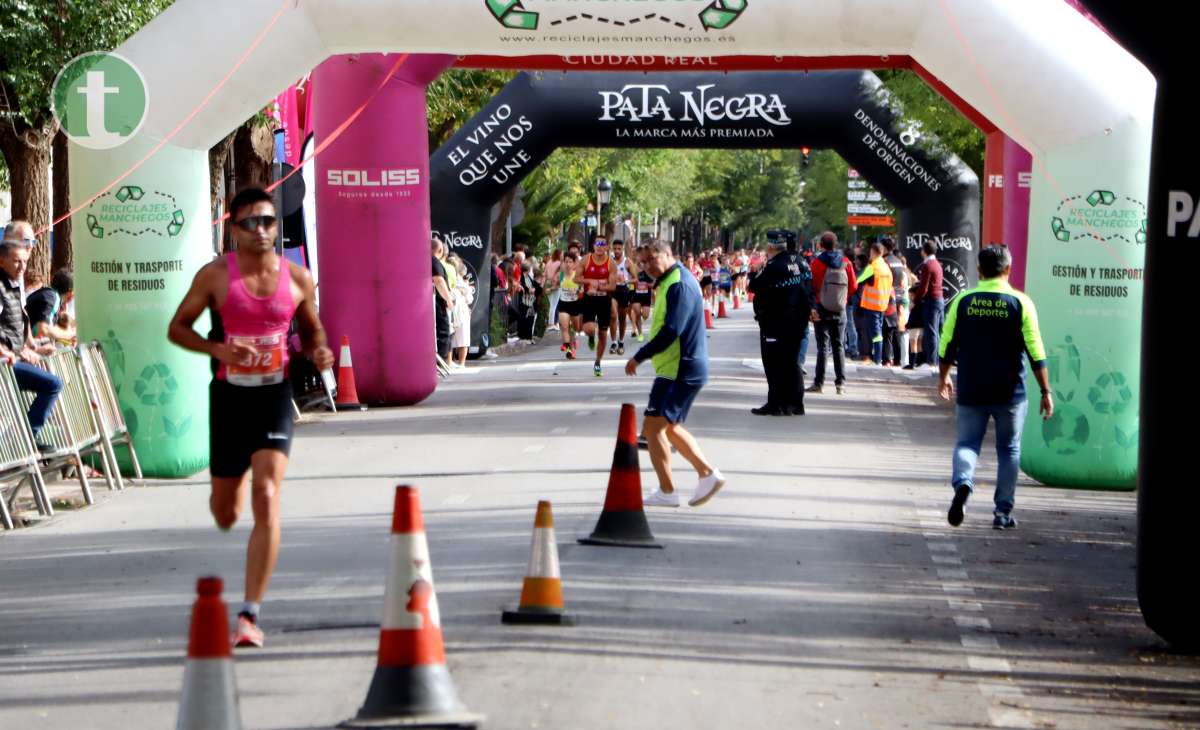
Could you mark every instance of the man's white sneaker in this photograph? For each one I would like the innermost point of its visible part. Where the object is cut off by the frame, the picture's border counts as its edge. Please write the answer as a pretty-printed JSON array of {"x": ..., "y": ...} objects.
[
  {"x": 707, "y": 488},
  {"x": 662, "y": 499}
]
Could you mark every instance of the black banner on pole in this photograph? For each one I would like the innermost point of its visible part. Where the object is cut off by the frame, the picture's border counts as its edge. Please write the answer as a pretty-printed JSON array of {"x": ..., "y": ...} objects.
[{"x": 936, "y": 194}]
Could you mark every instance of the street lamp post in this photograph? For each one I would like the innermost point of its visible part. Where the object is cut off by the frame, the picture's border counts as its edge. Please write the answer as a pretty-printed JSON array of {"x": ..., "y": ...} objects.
[{"x": 603, "y": 196}]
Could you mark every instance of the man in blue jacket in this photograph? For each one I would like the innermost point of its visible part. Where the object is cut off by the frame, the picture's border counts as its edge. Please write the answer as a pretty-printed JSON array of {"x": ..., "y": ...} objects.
[
  {"x": 989, "y": 332},
  {"x": 678, "y": 347}
]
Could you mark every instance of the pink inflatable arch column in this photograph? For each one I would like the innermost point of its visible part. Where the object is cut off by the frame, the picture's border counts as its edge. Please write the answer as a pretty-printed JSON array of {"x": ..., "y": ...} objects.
[{"x": 373, "y": 221}]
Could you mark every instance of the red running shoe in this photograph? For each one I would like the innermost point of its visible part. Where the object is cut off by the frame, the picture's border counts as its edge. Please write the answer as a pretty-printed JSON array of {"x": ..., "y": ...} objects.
[{"x": 247, "y": 634}]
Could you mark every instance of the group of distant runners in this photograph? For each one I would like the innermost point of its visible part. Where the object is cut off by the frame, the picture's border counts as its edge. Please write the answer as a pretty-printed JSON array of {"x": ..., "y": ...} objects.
[{"x": 603, "y": 295}]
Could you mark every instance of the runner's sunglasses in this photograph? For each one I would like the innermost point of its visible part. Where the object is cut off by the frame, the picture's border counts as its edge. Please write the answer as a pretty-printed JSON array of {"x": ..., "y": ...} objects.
[{"x": 251, "y": 223}]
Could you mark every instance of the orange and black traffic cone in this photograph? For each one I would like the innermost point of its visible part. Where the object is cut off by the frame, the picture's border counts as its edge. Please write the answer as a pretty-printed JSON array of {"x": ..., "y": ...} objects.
[
  {"x": 721, "y": 314},
  {"x": 209, "y": 700},
  {"x": 347, "y": 392},
  {"x": 412, "y": 687},
  {"x": 623, "y": 521},
  {"x": 541, "y": 594}
]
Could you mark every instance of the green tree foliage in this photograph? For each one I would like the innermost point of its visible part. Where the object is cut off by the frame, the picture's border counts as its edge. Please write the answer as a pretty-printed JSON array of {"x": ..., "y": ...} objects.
[
  {"x": 37, "y": 38},
  {"x": 456, "y": 96},
  {"x": 935, "y": 115}
]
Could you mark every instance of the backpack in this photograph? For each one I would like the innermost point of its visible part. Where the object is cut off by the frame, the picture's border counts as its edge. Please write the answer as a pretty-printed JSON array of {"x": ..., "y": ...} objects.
[{"x": 835, "y": 288}]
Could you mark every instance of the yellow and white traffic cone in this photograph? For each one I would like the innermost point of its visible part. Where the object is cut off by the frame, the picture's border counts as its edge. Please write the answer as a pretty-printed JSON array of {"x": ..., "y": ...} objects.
[
  {"x": 541, "y": 595},
  {"x": 209, "y": 700}
]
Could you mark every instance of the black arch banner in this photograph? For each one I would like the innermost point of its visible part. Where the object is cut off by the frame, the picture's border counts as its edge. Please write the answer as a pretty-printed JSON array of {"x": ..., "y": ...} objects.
[{"x": 935, "y": 193}]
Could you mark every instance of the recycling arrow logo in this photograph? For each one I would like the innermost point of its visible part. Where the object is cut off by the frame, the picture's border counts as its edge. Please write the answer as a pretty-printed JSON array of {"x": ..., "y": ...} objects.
[
  {"x": 512, "y": 14},
  {"x": 722, "y": 13}
]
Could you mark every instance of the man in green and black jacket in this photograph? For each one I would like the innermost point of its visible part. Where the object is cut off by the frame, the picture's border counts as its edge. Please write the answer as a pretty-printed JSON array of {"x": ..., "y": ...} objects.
[
  {"x": 678, "y": 348},
  {"x": 989, "y": 332}
]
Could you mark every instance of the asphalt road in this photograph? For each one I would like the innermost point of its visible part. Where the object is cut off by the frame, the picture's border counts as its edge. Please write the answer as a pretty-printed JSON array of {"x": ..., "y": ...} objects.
[{"x": 820, "y": 588}]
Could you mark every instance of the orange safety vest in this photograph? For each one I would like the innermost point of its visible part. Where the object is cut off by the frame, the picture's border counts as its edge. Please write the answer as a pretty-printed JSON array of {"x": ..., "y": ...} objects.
[{"x": 875, "y": 296}]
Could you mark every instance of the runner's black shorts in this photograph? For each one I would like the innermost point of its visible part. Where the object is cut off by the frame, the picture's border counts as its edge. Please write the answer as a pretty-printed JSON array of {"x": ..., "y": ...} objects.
[
  {"x": 623, "y": 295},
  {"x": 243, "y": 420},
  {"x": 598, "y": 310},
  {"x": 706, "y": 281},
  {"x": 571, "y": 309},
  {"x": 642, "y": 298},
  {"x": 671, "y": 399}
]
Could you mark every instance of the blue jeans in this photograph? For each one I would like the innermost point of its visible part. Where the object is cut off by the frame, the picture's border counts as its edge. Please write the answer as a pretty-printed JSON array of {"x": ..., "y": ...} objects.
[
  {"x": 934, "y": 318},
  {"x": 851, "y": 341},
  {"x": 875, "y": 327},
  {"x": 972, "y": 425},
  {"x": 47, "y": 387},
  {"x": 803, "y": 348}
]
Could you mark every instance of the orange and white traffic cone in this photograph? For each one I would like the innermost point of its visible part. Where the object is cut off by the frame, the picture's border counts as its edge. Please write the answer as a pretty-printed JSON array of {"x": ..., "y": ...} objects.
[
  {"x": 347, "y": 392},
  {"x": 737, "y": 302},
  {"x": 721, "y": 314},
  {"x": 623, "y": 522},
  {"x": 209, "y": 700},
  {"x": 541, "y": 594},
  {"x": 708, "y": 320},
  {"x": 412, "y": 687}
]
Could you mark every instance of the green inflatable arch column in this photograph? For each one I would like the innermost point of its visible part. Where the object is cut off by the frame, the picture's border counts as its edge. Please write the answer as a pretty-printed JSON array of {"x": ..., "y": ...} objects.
[
  {"x": 137, "y": 248},
  {"x": 1087, "y": 248}
]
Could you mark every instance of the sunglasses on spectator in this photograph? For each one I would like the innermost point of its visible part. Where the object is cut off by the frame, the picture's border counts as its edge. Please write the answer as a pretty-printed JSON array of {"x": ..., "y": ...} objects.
[
  {"x": 601, "y": 243},
  {"x": 26, "y": 242},
  {"x": 251, "y": 223}
]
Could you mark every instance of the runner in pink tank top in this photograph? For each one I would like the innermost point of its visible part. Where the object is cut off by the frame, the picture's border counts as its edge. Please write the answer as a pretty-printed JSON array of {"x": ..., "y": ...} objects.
[
  {"x": 250, "y": 398},
  {"x": 260, "y": 323}
]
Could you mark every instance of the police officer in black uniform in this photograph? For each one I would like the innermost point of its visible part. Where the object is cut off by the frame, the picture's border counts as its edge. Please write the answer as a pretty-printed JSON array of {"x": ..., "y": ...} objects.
[{"x": 783, "y": 306}]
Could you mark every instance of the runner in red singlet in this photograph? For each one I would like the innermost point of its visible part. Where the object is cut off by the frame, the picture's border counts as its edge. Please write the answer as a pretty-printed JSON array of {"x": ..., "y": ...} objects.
[
  {"x": 253, "y": 295},
  {"x": 599, "y": 280}
]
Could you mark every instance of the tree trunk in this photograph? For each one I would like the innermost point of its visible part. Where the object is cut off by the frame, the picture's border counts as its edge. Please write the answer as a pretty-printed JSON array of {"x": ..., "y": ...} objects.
[
  {"x": 28, "y": 158},
  {"x": 498, "y": 227},
  {"x": 64, "y": 251},
  {"x": 216, "y": 168},
  {"x": 254, "y": 151}
]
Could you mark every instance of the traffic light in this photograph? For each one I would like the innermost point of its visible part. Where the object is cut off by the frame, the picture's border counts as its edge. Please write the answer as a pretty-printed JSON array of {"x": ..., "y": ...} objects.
[{"x": 805, "y": 159}]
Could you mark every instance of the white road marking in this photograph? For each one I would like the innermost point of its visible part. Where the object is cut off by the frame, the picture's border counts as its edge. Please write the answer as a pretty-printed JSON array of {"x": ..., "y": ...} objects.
[
  {"x": 560, "y": 430},
  {"x": 973, "y": 622},
  {"x": 533, "y": 448},
  {"x": 951, "y": 574},
  {"x": 959, "y": 588},
  {"x": 1010, "y": 717},
  {"x": 947, "y": 547},
  {"x": 979, "y": 643},
  {"x": 947, "y": 559},
  {"x": 455, "y": 499},
  {"x": 957, "y": 604},
  {"x": 989, "y": 664}
]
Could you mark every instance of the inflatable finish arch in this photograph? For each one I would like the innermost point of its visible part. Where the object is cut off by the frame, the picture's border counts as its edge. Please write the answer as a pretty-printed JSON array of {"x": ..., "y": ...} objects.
[
  {"x": 936, "y": 195},
  {"x": 1088, "y": 125}
]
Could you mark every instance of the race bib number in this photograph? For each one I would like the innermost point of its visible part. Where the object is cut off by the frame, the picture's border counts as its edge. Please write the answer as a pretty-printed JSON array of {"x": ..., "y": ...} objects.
[
  {"x": 264, "y": 367},
  {"x": 569, "y": 295},
  {"x": 643, "y": 286}
]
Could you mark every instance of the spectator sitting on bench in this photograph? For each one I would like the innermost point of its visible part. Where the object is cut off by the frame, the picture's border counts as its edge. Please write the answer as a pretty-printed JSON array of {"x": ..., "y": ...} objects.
[{"x": 16, "y": 344}]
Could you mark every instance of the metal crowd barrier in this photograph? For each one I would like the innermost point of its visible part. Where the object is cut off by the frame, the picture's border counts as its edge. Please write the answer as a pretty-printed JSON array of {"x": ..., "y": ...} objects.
[
  {"x": 86, "y": 419},
  {"x": 71, "y": 430},
  {"x": 107, "y": 409},
  {"x": 18, "y": 455}
]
